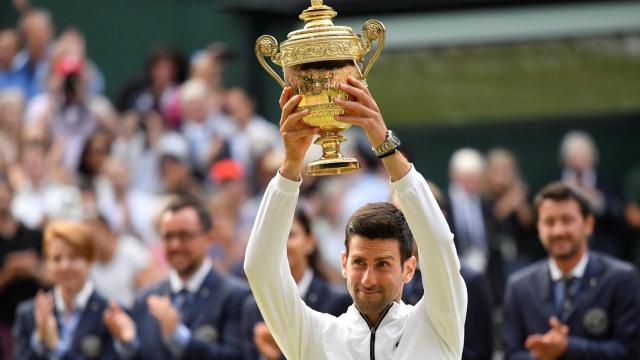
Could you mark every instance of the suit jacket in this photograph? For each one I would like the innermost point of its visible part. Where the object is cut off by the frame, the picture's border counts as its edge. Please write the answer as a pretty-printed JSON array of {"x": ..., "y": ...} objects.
[
  {"x": 478, "y": 340},
  {"x": 214, "y": 319},
  {"x": 321, "y": 297},
  {"x": 495, "y": 263},
  {"x": 604, "y": 321},
  {"x": 91, "y": 339}
]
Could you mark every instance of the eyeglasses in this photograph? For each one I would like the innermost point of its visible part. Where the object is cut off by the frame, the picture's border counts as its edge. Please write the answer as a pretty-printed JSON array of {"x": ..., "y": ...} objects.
[{"x": 181, "y": 236}]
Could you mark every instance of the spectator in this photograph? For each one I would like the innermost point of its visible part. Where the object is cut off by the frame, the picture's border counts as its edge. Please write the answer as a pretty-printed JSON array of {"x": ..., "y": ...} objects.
[
  {"x": 578, "y": 303},
  {"x": 138, "y": 146},
  {"x": 466, "y": 171},
  {"x": 72, "y": 43},
  {"x": 66, "y": 322},
  {"x": 205, "y": 129},
  {"x": 227, "y": 203},
  {"x": 195, "y": 313},
  {"x": 302, "y": 256},
  {"x": 369, "y": 185},
  {"x": 579, "y": 156},
  {"x": 208, "y": 66},
  {"x": 122, "y": 265},
  {"x": 175, "y": 167},
  {"x": 9, "y": 46},
  {"x": 254, "y": 135},
  {"x": 329, "y": 225},
  {"x": 510, "y": 214},
  {"x": 157, "y": 91},
  {"x": 41, "y": 191},
  {"x": 68, "y": 109},
  {"x": 11, "y": 114},
  {"x": 93, "y": 156},
  {"x": 36, "y": 27},
  {"x": 470, "y": 218},
  {"x": 127, "y": 211},
  {"x": 20, "y": 263}
]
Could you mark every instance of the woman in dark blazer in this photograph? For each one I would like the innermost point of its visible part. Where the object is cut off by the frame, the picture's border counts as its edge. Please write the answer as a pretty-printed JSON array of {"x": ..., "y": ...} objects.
[{"x": 66, "y": 322}]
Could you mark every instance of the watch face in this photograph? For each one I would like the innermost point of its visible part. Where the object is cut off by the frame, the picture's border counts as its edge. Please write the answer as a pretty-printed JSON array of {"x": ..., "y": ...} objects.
[
  {"x": 391, "y": 143},
  {"x": 394, "y": 138}
]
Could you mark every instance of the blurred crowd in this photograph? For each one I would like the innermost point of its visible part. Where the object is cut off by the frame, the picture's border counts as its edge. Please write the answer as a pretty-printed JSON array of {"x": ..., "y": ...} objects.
[{"x": 67, "y": 152}]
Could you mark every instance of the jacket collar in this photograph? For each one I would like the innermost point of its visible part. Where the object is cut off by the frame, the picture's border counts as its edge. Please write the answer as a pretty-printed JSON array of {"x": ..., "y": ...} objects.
[
  {"x": 396, "y": 311},
  {"x": 577, "y": 271},
  {"x": 79, "y": 302},
  {"x": 194, "y": 282}
]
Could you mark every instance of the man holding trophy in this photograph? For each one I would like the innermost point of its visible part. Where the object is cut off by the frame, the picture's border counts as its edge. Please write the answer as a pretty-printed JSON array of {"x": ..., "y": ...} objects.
[
  {"x": 377, "y": 261},
  {"x": 323, "y": 95}
]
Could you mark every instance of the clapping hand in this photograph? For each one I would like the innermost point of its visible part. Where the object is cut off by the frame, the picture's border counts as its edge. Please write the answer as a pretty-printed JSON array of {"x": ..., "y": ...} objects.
[
  {"x": 167, "y": 315},
  {"x": 265, "y": 342},
  {"x": 550, "y": 345},
  {"x": 119, "y": 324},
  {"x": 46, "y": 325}
]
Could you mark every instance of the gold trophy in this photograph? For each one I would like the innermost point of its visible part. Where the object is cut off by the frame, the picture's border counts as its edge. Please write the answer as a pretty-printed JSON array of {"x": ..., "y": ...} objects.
[{"x": 315, "y": 60}]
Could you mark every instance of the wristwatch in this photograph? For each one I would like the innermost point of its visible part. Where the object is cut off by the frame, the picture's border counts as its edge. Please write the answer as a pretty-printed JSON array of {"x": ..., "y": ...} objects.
[{"x": 388, "y": 147}]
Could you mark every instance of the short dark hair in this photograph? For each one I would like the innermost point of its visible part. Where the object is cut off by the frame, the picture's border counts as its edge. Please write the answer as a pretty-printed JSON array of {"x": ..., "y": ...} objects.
[
  {"x": 186, "y": 201},
  {"x": 381, "y": 221},
  {"x": 560, "y": 191},
  {"x": 301, "y": 216}
]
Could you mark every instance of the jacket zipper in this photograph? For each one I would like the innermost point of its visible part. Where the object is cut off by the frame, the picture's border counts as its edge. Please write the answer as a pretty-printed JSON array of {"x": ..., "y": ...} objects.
[{"x": 373, "y": 329}]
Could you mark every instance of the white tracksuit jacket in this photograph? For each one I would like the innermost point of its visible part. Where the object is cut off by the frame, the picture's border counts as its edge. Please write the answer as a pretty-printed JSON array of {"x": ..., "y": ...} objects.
[{"x": 433, "y": 329}]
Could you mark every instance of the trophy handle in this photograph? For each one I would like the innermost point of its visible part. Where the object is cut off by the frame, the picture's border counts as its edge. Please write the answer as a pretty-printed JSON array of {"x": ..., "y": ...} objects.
[
  {"x": 373, "y": 30},
  {"x": 267, "y": 45}
]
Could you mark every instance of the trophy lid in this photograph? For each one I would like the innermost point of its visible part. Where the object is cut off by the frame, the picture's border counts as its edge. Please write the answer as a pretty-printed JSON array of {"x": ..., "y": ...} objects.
[{"x": 320, "y": 39}]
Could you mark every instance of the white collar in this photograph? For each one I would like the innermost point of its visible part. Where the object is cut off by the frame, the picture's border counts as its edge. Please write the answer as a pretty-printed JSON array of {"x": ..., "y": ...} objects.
[
  {"x": 79, "y": 302},
  {"x": 194, "y": 282},
  {"x": 305, "y": 282},
  {"x": 577, "y": 271}
]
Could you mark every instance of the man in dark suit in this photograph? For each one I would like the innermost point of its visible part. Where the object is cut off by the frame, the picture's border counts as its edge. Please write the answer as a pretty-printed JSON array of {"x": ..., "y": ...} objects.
[
  {"x": 578, "y": 304},
  {"x": 468, "y": 216},
  {"x": 196, "y": 313}
]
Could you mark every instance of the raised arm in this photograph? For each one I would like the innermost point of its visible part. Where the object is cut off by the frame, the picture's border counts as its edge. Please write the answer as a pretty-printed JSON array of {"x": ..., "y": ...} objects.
[
  {"x": 445, "y": 300},
  {"x": 266, "y": 266}
]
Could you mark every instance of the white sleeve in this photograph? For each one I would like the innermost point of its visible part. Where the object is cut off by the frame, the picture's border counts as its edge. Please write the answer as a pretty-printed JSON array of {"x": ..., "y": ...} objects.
[
  {"x": 445, "y": 295},
  {"x": 292, "y": 324}
]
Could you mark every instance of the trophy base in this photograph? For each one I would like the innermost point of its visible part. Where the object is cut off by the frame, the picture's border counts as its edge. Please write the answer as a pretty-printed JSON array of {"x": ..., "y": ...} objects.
[{"x": 341, "y": 165}]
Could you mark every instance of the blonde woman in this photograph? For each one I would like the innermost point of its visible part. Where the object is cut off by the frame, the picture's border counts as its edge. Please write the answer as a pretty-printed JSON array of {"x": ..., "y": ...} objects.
[{"x": 66, "y": 322}]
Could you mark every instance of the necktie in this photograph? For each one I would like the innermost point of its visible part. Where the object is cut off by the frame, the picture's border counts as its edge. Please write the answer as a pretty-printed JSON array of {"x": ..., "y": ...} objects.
[
  {"x": 182, "y": 300},
  {"x": 568, "y": 297}
]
